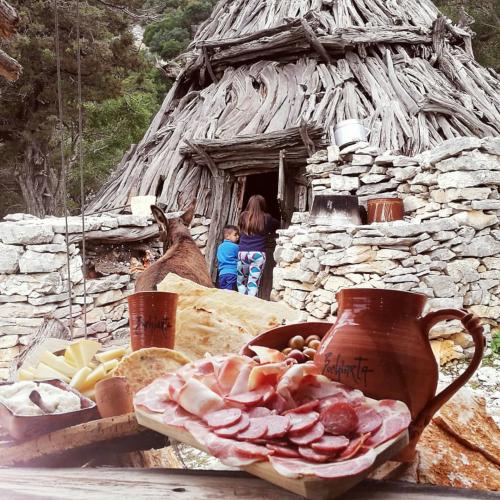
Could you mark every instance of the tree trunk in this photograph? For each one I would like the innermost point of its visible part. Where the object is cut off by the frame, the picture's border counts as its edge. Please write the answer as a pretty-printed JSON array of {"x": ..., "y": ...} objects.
[{"x": 40, "y": 183}]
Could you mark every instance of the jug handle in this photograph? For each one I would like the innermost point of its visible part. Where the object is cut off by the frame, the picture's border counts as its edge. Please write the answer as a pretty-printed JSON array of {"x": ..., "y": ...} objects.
[{"x": 473, "y": 325}]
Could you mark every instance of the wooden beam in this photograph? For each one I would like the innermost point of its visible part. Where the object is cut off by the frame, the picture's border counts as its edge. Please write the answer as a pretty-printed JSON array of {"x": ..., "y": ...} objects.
[
  {"x": 10, "y": 69},
  {"x": 315, "y": 43},
  {"x": 206, "y": 157}
]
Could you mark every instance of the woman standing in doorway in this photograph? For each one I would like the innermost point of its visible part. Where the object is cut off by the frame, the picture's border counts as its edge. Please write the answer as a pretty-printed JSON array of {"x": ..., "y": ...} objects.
[{"x": 256, "y": 224}]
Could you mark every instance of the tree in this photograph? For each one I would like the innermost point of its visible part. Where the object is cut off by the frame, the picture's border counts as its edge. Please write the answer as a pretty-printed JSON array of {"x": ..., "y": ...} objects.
[{"x": 29, "y": 126}]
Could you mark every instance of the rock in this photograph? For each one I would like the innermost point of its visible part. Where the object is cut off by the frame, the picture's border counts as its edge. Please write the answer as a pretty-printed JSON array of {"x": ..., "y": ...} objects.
[
  {"x": 108, "y": 297},
  {"x": 476, "y": 219},
  {"x": 373, "y": 178},
  {"x": 385, "y": 159},
  {"x": 341, "y": 183},
  {"x": 133, "y": 220},
  {"x": 294, "y": 273},
  {"x": 448, "y": 148},
  {"x": 100, "y": 285},
  {"x": 404, "y": 161},
  {"x": 297, "y": 285},
  {"x": 443, "y": 286},
  {"x": 491, "y": 145},
  {"x": 7, "y": 341},
  {"x": 486, "y": 311},
  {"x": 492, "y": 262},
  {"x": 468, "y": 179},
  {"x": 412, "y": 203},
  {"x": 486, "y": 204},
  {"x": 319, "y": 157},
  {"x": 385, "y": 241},
  {"x": 425, "y": 178},
  {"x": 390, "y": 254},
  {"x": 446, "y": 303},
  {"x": 405, "y": 229},
  {"x": 20, "y": 233},
  {"x": 339, "y": 240},
  {"x": 404, "y": 278},
  {"x": 359, "y": 159},
  {"x": 444, "y": 351},
  {"x": 470, "y": 161},
  {"x": 300, "y": 218},
  {"x": 287, "y": 255},
  {"x": 9, "y": 258},
  {"x": 375, "y": 267},
  {"x": 333, "y": 153},
  {"x": 424, "y": 246},
  {"x": 19, "y": 216},
  {"x": 35, "y": 262},
  {"x": 442, "y": 254},
  {"x": 353, "y": 147},
  {"x": 41, "y": 283},
  {"x": 403, "y": 174},
  {"x": 352, "y": 255},
  {"x": 483, "y": 246},
  {"x": 351, "y": 170},
  {"x": 377, "y": 188},
  {"x": 23, "y": 310},
  {"x": 47, "y": 299},
  {"x": 12, "y": 298}
]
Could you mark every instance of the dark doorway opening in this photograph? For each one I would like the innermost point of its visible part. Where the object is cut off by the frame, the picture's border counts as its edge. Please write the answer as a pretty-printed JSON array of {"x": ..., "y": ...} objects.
[{"x": 265, "y": 184}]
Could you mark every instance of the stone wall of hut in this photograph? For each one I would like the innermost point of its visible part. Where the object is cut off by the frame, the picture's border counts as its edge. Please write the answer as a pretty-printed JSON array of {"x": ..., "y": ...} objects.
[
  {"x": 34, "y": 276},
  {"x": 448, "y": 246}
]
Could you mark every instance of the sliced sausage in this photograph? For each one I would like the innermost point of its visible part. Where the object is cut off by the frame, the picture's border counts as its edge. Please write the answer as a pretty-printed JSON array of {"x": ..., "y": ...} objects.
[
  {"x": 283, "y": 451},
  {"x": 277, "y": 426},
  {"x": 309, "y": 436},
  {"x": 223, "y": 418},
  {"x": 302, "y": 421},
  {"x": 330, "y": 444},
  {"x": 339, "y": 419},
  {"x": 259, "y": 411},
  {"x": 369, "y": 420},
  {"x": 354, "y": 447},
  {"x": 313, "y": 456},
  {"x": 256, "y": 430},
  {"x": 234, "y": 429},
  {"x": 305, "y": 408}
]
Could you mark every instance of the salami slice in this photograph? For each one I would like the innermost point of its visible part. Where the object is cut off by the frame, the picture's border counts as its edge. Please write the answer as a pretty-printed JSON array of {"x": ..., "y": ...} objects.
[
  {"x": 369, "y": 420},
  {"x": 302, "y": 421},
  {"x": 339, "y": 419},
  {"x": 223, "y": 418},
  {"x": 353, "y": 448},
  {"x": 277, "y": 426},
  {"x": 305, "y": 408},
  {"x": 309, "y": 436},
  {"x": 313, "y": 456},
  {"x": 232, "y": 431},
  {"x": 338, "y": 398},
  {"x": 283, "y": 451},
  {"x": 256, "y": 430},
  {"x": 330, "y": 444},
  {"x": 259, "y": 411}
]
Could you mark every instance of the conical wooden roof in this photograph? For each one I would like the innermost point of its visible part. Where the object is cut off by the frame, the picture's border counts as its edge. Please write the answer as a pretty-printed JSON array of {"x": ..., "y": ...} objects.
[{"x": 259, "y": 69}]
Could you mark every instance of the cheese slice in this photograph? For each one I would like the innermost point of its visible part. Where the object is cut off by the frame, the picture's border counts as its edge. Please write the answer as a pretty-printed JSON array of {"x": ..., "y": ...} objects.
[
  {"x": 43, "y": 372},
  {"x": 25, "y": 374},
  {"x": 83, "y": 351},
  {"x": 58, "y": 363},
  {"x": 69, "y": 358},
  {"x": 111, "y": 364},
  {"x": 79, "y": 378},
  {"x": 119, "y": 352},
  {"x": 98, "y": 374}
]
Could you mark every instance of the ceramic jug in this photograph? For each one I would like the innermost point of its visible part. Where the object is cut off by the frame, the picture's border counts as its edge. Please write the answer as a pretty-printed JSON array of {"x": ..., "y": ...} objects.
[{"x": 380, "y": 345}]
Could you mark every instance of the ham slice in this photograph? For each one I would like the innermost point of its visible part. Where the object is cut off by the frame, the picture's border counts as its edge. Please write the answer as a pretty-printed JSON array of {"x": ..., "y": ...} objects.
[
  {"x": 307, "y": 437},
  {"x": 267, "y": 355},
  {"x": 396, "y": 418},
  {"x": 154, "y": 397},
  {"x": 197, "y": 398},
  {"x": 177, "y": 416},
  {"x": 268, "y": 374},
  {"x": 230, "y": 371},
  {"x": 295, "y": 468},
  {"x": 223, "y": 418},
  {"x": 293, "y": 378}
]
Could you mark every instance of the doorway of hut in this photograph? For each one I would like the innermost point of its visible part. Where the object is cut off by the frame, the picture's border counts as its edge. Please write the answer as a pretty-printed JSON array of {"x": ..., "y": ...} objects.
[{"x": 265, "y": 184}]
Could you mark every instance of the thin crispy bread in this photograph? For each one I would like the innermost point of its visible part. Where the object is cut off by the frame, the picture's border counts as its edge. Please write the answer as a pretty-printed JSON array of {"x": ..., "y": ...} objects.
[{"x": 141, "y": 367}]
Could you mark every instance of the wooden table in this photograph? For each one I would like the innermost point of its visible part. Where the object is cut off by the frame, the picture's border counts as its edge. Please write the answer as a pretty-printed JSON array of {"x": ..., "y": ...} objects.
[{"x": 111, "y": 484}]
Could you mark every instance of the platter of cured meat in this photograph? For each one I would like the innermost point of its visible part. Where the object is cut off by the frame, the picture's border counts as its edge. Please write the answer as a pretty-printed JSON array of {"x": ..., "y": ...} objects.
[{"x": 277, "y": 419}]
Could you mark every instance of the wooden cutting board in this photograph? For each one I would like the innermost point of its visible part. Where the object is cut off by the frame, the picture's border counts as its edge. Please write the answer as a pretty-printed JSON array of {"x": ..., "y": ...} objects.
[{"x": 309, "y": 487}]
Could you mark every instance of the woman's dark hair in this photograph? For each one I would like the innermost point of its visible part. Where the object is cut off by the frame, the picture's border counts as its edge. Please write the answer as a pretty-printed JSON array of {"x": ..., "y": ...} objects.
[{"x": 253, "y": 219}]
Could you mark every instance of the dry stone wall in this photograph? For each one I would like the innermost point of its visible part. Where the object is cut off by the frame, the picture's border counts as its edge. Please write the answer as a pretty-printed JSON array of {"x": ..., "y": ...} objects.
[
  {"x": 34, "y": 278},
  {"x": 448, "y": 246}
]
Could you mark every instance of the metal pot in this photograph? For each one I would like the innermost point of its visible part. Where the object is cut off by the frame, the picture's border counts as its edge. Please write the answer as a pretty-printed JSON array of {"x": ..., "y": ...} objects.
[{"x": 349, "y": 132}]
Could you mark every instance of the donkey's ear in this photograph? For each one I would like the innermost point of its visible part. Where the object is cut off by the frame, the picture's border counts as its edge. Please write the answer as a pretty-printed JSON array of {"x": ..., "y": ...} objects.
[
  {"x": 188, "y": 214},
  {"x": 160, "y": 219}
]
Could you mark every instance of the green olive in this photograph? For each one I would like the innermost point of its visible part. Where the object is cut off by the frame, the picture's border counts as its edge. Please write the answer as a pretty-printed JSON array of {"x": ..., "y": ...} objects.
[
  {"x": 296, "y": 342},
  {"x": 314, "y": 344},
  {"x": 287, "y": 351},
  {"x": 310, "y": 353},
  {"x": 312, "y": 337}
]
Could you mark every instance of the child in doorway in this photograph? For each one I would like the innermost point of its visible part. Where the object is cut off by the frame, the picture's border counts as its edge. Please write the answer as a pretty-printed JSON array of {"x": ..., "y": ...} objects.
[{"x": 227, "y": 257}]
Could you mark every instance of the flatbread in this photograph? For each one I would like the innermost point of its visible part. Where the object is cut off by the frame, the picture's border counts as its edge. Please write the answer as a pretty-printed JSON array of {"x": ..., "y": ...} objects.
[
  {"x": 141, "y": 367},
  {"x": 220, "y": 321}
]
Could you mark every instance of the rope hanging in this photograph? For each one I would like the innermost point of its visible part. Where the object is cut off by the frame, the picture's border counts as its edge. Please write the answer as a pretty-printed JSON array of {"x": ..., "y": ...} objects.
[
  {"x": 63, "y": 162},
  {"x": 80, "y": 163}
]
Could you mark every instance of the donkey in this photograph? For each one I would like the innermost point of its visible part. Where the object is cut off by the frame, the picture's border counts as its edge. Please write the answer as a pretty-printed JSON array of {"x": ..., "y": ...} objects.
[{"x": 180, "y": 253}]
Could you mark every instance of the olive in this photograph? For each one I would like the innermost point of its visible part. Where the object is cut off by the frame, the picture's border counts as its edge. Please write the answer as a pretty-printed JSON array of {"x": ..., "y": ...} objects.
[
  {"x": 309, "y": 353},
  {"x": 296, "y": 342},
  {"x": 287, "y": 351},
  {"x": 314, "y": 344},
  {"x": 299, "y": 356},
  {"x": 312, "y": 337}
]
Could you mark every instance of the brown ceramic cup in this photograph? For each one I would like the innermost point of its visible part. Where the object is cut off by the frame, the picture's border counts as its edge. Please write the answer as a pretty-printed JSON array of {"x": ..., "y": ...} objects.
[
  {"x": 152, "y": 319},
  {"x": 113, "y": 397},
  {"x": 385, "y": 209}
]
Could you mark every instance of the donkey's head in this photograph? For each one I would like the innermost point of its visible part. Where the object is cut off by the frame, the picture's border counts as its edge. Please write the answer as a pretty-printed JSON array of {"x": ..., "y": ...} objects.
[{"x": 171, "y": 230}]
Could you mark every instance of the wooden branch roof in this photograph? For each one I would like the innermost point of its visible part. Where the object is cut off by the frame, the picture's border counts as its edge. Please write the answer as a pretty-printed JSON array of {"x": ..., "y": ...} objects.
[
  {"x": 262, "y": 67},
  {"x": 9, "y": 67}
]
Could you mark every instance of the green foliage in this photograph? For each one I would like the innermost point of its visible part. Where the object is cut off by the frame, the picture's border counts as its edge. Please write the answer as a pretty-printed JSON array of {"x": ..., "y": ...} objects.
[
  {"x": 486, "y": 14},
  {"x": 495, "y": 341},
  {"x": 169, "y": 36}
]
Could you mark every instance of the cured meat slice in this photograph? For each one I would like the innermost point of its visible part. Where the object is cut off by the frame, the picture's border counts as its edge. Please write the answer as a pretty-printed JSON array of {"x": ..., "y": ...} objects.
[
  {"x": 197, "y": 398},
  {"x": 233, "y": 430},
  {"x": 174, "y": 387},
  {"x": 256, "y": 430},
  {"x": 341, "y": 397},
  {"x": 294, "y": 376},
  {"x": 307, "y": 437},
  {"x": 278, "y": 403},
  {"x": 395, "y": 418},
  {"x": 230, "y": 371},
  {"x": 302, "y": 421},
  {"x": 330, "y": 444},
  {"x": 268, "y": 374},
  {"x": 353, "y": 448},
  {"x": 223, "y": 418},
  {"x": 267, "y": 355},
  {"x": 369, "y": 420},
  {"x": 259, "y": 411},
  {"x": 252, "y": 398},
  {"x": 252, "y": 450},
  {"x": 312, "y": 455},
  {"x": 283, "y": 451},
  {"x": 241, "y": 382},
  {"x": 305, "y": 408},
  {"x": 154, "y": 397},
  {"x": 177, "y": 416},
  {"x": 339, "y": 419},
  {"x": 295, "y": 468},
  {"x": 277, "y": 426}
]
